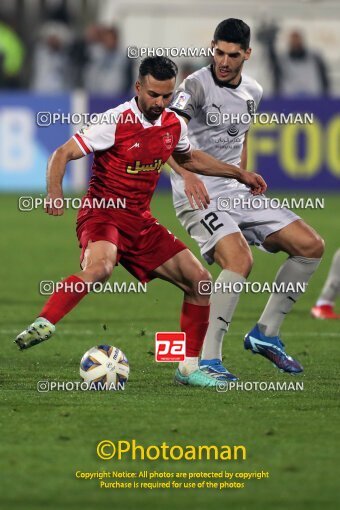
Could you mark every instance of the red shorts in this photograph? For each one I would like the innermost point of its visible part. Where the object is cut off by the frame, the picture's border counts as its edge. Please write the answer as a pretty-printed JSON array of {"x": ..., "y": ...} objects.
[{"x": 143, "y": 244}]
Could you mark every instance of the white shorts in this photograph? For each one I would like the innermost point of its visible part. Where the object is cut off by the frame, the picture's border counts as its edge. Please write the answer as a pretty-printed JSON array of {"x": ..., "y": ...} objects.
[{"x": 228, "y": 215}]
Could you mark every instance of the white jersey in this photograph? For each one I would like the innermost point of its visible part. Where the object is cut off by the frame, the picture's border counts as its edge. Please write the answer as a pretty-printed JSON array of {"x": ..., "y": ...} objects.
[{"x": 220, "y": 116}]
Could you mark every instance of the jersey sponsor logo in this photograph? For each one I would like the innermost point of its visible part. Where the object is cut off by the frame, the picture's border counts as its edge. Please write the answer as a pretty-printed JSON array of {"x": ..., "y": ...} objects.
[
  {"x": 180, "y": 101},
  {"x": 138, "y": 166},
  {"x": 251, "y": 106},
  {"x": 170, "y": 347},
  {"x": 233, "y": 130},
  {"x": 168, "y": 140},
  {"x": 233, "y": 142},
  {"x": 137, "y": 145}
]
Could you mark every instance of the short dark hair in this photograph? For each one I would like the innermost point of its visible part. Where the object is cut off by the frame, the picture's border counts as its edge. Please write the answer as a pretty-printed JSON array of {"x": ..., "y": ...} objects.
[
  {"x": 161, "y": 68},
  {"x": 233, "y": 30}
]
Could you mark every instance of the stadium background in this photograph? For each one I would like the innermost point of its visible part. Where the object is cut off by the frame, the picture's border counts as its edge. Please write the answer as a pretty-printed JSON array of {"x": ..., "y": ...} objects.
[{"x": 47, "y": 437}]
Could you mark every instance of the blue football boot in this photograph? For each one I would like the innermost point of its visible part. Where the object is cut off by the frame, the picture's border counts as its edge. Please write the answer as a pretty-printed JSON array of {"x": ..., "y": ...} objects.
[
  {"x": 215, "y": 368},
  {"x": 272, "y": 348}
]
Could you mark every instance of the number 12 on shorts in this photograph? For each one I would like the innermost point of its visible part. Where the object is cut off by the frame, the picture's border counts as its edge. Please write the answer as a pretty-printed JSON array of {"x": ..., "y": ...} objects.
[{"x": 209, "y": 222}]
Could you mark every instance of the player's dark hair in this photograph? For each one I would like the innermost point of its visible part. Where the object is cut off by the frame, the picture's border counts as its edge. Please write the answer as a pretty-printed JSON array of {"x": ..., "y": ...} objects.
[
  {"x": 233, "y": 30},
  {"x": 160, "y": 68}
]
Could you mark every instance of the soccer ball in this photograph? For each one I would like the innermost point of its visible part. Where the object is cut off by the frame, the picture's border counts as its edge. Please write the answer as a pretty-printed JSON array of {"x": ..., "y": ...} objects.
[{"x": 104, "y": 367}]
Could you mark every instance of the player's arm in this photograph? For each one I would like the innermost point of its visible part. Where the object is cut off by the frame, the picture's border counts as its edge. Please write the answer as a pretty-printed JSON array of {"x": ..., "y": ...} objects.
[
  {"x": 202, "y": 163},
  {"x": 90, "y": 138},
  {"x": 194, "y": 188},
  {"x": 199, "y": 162},
  {"x": 55, "y": 173}
]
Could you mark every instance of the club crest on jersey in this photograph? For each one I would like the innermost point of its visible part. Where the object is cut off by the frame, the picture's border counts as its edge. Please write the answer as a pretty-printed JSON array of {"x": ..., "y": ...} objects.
[
  {"x": 233, "y": 130},
  {"x": 138, "y": 166},
  {"x": 168, "y": 140},
  {"x": 251, "y": 106}
]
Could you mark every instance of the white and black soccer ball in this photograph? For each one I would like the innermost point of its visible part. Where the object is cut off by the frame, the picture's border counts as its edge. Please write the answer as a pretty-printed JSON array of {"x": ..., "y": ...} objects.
[{"x": 105, "y": 367}]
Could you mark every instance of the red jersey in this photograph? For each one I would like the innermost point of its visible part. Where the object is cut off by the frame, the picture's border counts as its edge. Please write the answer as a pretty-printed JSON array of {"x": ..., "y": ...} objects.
[{"x": 129, "y": 152}]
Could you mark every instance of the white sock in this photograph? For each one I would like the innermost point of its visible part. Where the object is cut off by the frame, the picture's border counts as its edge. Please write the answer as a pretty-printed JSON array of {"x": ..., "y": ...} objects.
[
  {"x": 331, "y": 289},
  {"x": 222, "y": 307},
  {"x": 42, "y": 319},
  {"x": 324, "y": 302},
  {"x": 294, "y": 270},
  {"x": 188, "y": 366}
]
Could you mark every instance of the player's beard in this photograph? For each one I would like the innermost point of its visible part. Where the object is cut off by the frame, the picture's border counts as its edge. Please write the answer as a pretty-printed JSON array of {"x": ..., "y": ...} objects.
[
  {"x": 151, "y": 113},
  {"x": 231, "y": 77},
  {"x": 154, "y": 114}
]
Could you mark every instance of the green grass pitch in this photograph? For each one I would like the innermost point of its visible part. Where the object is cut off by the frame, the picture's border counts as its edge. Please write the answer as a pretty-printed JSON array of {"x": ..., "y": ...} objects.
[{"x": 46, "y": 437}]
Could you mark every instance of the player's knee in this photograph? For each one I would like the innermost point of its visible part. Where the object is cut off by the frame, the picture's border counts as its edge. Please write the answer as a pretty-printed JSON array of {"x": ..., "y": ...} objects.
[
  {"x": 312, "y": 247},
  {"x": 319, "y": 247},
  {"x": 242, "y": 264},
  {"x": 105, "y": 268},
  {"x": 200, "y": 278},
  {"x": 203, "y": 275},
  {"x": 100, "y": 270},
  {"x": 246, "y": 263}
]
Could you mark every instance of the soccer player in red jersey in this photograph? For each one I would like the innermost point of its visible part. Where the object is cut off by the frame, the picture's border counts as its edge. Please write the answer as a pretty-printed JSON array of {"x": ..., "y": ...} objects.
[{"x": 130, "y": 145}]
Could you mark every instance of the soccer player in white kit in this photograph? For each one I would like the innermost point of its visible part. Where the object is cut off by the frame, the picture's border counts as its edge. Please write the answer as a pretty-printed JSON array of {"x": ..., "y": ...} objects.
[
  {"x": 324, "y": 307},
  {"x": 229, "y": 222}
]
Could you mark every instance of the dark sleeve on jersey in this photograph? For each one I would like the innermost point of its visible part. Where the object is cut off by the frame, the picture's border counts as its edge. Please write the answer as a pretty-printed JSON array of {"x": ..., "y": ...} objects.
[
  {"x": 323, "y": 71},
  {"x": 189, "y": 98}
]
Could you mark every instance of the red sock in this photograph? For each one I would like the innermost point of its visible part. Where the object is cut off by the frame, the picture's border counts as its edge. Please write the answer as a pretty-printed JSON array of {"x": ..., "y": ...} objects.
[
  {"x": 194, "y": 322},
  {"x": 64, "y": 299}
]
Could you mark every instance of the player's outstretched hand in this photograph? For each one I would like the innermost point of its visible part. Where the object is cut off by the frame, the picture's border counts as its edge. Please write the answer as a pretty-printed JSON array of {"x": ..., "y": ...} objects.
[
  {"x": 196, "y": 191},
  {"x": 256, "y": 183},
  {"x": 54, "y": 204}
]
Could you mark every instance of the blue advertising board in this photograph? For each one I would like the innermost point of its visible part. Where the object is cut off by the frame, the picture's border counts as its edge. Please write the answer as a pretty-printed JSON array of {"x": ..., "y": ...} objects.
[
  {"x": 24, "y": 144},
  {"x": 298, "y": 156}
]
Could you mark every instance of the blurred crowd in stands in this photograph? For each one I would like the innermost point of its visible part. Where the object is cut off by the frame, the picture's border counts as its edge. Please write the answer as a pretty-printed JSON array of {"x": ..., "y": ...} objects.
[
  {"x": 56, "y": 61},
  {"x": 59, "y": 62}
]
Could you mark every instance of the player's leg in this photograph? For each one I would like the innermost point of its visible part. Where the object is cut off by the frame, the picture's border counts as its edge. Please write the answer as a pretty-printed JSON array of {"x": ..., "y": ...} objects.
[
  {"x": 186, "y": 272},
  {"x": 305, "y": 249},
  {"x": 97, "y": 265},
  {"x": 220, "y": 241},
  {"x": 234, "y": 257},
  {"x": 323, "y": 308}
]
